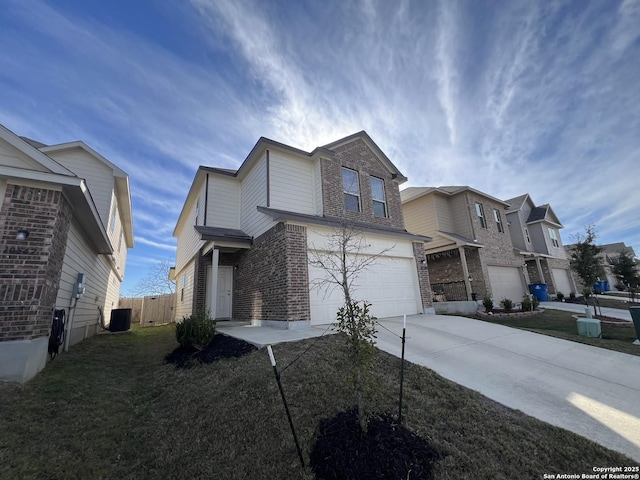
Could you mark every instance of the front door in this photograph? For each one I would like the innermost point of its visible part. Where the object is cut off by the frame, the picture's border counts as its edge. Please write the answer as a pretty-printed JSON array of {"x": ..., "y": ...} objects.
[{"x": 225, "y": 288}]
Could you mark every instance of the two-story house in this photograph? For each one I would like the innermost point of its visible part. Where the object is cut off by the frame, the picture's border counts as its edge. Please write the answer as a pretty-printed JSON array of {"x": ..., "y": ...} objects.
[
  {"x": 65, "y": 227},
  {"x": 471, "y": 251},
  {"x": 535, "y": 233},
  {"x": 247, "y": 238}
]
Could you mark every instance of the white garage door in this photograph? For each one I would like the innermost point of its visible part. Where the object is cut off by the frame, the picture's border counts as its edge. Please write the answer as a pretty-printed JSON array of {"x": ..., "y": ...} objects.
[
  {"x": 561, "y": 280},
  {"x": 389, "y": 284},
  {"x": 505, "y": 283}
]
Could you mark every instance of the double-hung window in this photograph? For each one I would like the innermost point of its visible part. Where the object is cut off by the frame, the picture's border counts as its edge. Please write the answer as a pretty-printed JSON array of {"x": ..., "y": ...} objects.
[
  {"x": 526, "y": 234},
  {"x": 351, "y": 188},
  {"x": 480, "y": 213},
  {"x": 498, "y": 218},
  {"x": 377, "y": 195},
  {"x": 554, "y": 237}
]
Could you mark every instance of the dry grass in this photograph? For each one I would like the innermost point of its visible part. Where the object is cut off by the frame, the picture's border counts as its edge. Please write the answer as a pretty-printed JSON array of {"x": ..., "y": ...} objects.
[{"x": 111, "y": 409}]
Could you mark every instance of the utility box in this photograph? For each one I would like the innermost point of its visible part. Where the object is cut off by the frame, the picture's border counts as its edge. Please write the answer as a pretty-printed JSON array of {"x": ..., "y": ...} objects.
[{"x": 589, "y": 327}]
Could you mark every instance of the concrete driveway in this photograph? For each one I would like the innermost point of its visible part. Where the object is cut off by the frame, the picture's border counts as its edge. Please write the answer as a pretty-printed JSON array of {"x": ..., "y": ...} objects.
[{"x": 591, "y": 391}]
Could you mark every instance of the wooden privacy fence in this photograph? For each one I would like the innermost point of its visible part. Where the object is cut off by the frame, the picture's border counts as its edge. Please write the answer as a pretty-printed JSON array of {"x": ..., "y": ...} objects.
[{"x": 150, "y": 310}]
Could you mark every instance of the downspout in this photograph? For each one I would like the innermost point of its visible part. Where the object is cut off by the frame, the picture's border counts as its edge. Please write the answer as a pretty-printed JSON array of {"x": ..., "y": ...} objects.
[{"x": 206, "y": 200}]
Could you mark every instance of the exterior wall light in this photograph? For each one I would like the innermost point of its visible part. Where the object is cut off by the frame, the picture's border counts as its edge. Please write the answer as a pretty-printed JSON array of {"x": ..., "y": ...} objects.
[{"x": 22, "y": 234}]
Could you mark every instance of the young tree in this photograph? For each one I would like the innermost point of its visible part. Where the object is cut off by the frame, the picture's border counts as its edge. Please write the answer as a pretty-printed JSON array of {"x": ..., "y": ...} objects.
[
  {"x": 585, "y": 260},
  {"x": 157, "y": 281},
  {"x": 626, "y": 268},
  {"x": 343, "y": 259}
]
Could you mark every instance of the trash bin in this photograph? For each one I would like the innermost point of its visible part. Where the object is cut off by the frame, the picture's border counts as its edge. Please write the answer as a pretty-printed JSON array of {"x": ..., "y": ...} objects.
[
  {"x": 540, "y": 291},
  {"x": 635, "y": 315},
  {"x": 120, "y": 320},
  {"x": 601, "y": 286}
]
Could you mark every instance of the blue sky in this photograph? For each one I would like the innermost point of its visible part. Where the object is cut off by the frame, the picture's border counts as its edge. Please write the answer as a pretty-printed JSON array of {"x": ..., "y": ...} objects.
[{"x": 509, "y": 97}]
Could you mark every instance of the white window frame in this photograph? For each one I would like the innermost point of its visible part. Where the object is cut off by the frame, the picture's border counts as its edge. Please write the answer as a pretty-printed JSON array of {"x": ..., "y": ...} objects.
[
  {"x": 480, "y": 214},
  {"x": 348, "y": 191},
  {"x": 526, "y": 235},
  {"x": 183, "y": 282},
  {"x": 114, "y": 212},
  {"x": 554, "y": 237},
  {"x": 498, "y": 219},
  {"x": 378, "y": 201}
]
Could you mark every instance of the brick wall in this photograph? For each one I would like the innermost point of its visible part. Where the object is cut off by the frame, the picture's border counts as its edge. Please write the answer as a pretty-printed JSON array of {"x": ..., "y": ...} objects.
[
  {"x": 423, "y": 275},
  {"x": 357, "y": 156},
  {"x": 271, "y": 279},
  {"x": 200, "y": 283},
  {"x": 30, "y": 268}
]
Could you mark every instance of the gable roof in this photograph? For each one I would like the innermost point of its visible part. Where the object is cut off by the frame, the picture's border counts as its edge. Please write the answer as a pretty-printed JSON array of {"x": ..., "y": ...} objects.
[
  {"x": 412, "y": 193},
  {"x": 516, "y": 203}
]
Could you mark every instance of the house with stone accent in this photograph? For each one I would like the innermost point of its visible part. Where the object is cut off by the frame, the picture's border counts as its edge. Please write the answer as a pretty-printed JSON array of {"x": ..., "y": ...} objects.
[
  {"x": 65, "y": 227},
  {"x": 535, "y": 233},
  {"x": 246, "y": 238},
  {"x": 471, "y": 254}
]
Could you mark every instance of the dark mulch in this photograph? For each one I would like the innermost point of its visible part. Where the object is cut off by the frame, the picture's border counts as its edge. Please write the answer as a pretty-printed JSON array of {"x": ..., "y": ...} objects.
[
  {"x": 222, "y": 346},
  {"x": 386, "y": 450}
]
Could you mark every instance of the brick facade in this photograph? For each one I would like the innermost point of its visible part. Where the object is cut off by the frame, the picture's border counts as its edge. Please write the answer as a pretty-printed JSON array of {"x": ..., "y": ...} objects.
[
  {"x": 30, "y": 268},
  {"x": 358, "y": 156},
  {"x": 423, "y": 275},
  {"x": 271, "y": 280}
]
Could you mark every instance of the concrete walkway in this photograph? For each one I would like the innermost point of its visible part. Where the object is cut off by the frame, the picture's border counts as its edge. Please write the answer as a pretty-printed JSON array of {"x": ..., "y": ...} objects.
[
  {"x": 588, "y": 390},
  {"x": 620, "y": 313}
]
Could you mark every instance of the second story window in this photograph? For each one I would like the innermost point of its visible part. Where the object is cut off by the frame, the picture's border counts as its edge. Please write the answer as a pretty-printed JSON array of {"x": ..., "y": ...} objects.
[
  {"x": 526, "y": 234},
  {"x": 377, "y": 194},
  {"x": 114, "y": 211},
  {"x": 480, "y": 213},
  {"x": 183, "y": 282},
  {"x": 553, "y": 235},
  {"x": 351, "y": 189},
  {"x": 498, "y": 218}
]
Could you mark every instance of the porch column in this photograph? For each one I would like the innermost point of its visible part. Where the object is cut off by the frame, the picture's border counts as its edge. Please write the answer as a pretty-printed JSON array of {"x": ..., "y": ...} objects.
[
  {"x": 212, "y": 287},
  {"x": 465, "y": 272},
  {"x": 539, "y": 266}
]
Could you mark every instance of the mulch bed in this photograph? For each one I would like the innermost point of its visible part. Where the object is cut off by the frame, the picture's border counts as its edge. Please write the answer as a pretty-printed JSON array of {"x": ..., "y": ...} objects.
[
  {"x": 222, "y": 346},
  {"x": 387, "y": 450}
]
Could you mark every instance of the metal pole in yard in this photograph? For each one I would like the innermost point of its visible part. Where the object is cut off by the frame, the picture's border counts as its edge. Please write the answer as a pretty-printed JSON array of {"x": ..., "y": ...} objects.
[
  {"x": 404, "y": 330},
  {"x": 286, "y": 407}
]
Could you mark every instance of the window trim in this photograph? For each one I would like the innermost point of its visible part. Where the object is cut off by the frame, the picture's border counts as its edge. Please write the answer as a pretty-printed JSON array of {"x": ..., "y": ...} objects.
[
  {"x": 498, "y": 218},
  {"x": 555, "y": 241},
  {"x": 114, "y": 212},
  {"x": 375, "y": 201},
  {"x": 526, "y": 235},
  {"x": 351, "y": 194},
  {"x": 480, "y": 213}
]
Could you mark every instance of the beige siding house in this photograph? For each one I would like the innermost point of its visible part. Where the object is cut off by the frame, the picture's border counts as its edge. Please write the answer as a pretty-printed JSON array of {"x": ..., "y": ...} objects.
[
  {"x": 471, "y": 254},
  {"x": 247, "y": 237},
  {"x": 65, "y": 215}
]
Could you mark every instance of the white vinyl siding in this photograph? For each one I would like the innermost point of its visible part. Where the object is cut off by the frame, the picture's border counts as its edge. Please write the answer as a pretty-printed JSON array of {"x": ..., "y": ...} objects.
[
  {"x": 317, "y": 181},
  {"x": 102, "y": 287},
  {"x": 188, "y": 241},
  {"x": 291, "y": 183},
  {"x": 460, "y": 216},
  {"x": 12, "y": 157},
  {"x": 184, "y": 300},
  {"x": 99, "y": 177},
  {"x": 253, "y": 193},
  {"x": 421, "y": 216},
  {"x": 223, "y": 202},
  {"x": 443, "y": 214}
]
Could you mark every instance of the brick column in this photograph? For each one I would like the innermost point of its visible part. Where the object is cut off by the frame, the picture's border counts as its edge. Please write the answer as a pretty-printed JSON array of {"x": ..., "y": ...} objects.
[{"x": 423, "y": 275}]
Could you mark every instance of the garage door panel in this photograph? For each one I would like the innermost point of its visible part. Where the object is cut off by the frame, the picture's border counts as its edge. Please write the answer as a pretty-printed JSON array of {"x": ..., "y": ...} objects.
[
  {"x": 389, "y": 284},
  {"x": 505, "y": 283},
  {"x": 561, "y": 280}
]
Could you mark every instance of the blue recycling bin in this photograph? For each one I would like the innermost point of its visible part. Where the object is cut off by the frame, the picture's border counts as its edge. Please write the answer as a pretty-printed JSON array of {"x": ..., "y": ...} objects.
[
  {"x": 540, "y": 291},
  {"x": 601, "y": 286}
]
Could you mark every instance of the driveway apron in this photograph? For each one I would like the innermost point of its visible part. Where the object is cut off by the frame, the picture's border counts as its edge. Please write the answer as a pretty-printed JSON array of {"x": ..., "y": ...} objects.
[{"x": 588, "y": 390}]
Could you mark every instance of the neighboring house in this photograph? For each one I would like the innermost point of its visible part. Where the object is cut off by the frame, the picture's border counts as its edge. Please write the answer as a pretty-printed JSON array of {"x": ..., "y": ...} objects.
[
  {"x": 535, "y": 233},
  {"x": 65, "y": 211},
  {"x": 471, "y": 251},
  {"x": 247, "y": 237},
  {"x": 610, "y": 253}
]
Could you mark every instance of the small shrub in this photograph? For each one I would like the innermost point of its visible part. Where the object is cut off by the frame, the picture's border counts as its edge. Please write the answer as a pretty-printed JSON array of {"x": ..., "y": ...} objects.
[
  {"x": 535, "y": 302},
  {"x": 559, "y": 296},
  {"x": 620, "y": 287},
  {"x": 527, "y": 304},
  {"x": 572, "y": 295},
  {"x": 507, "y": 304},
  {"x": 195, "y": 331},
  {"x": 586, "y": 292},
  {"x": 487, "y": 303}
]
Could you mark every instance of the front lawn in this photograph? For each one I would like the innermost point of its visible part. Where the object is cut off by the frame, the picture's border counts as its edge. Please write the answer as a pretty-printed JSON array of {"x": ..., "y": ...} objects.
[
  {"x": 112, "y": 409},
  {"x": 561, "y": 324}
]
